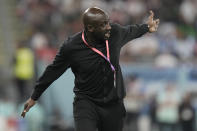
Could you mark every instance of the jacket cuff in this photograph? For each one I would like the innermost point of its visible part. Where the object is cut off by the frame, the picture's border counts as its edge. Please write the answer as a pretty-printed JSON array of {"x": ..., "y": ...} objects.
[
  {"x": 145, "y": 27},
  {"x": 34, "y": 96}
]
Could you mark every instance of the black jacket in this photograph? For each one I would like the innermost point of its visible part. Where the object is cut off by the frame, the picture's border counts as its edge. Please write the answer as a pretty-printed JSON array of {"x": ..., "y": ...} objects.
[{"x": 93, "y": 74}]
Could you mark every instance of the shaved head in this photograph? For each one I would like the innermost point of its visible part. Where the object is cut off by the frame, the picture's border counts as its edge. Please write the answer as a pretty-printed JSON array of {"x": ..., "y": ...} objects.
[
  {"x": 93, "y": 15},
  {"x": 96, "y": 23}
]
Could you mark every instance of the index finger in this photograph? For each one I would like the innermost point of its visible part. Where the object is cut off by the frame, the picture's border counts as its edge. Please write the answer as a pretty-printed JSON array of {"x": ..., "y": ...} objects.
[{"x": 151, "y": 14}]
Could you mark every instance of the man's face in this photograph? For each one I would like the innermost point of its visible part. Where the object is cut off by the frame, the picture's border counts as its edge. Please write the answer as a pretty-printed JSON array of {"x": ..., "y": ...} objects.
[{"x": 101, "y": 27}]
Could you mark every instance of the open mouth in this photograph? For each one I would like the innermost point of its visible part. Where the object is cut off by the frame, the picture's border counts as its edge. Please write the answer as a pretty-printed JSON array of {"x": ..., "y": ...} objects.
[{"x": 107, "y": 34}]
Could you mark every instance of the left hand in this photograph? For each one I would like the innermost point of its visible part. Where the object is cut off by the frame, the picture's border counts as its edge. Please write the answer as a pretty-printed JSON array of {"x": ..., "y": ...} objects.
[{"x": 153, "y": 24}]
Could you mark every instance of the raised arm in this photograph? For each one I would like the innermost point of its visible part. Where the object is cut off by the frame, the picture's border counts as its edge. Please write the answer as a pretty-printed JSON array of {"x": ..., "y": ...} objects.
[{"x": 131, "y": 32}]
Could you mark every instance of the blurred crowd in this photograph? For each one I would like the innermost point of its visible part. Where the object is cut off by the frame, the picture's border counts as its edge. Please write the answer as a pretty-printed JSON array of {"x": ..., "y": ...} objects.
[
  {"x": 48, "y": 22},
  {"x": 163, "y": 107}
]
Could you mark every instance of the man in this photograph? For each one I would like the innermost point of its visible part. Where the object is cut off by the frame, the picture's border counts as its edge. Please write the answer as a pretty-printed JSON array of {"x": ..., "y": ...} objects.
[
  {"x": 93, "y": 56},
  {"x": 187, "y": 113},
  {"x": 23, "y": 69}
]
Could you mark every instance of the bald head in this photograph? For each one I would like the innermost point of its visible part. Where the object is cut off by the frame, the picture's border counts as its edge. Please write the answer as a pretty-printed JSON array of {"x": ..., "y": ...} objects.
[
  {"x": 93, "y": 15},
  {"x": 96, "y": 23}
]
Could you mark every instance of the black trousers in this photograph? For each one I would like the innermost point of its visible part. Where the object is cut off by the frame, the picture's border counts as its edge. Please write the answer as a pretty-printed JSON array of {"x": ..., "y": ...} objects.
[{"x": 89, "y": 116}]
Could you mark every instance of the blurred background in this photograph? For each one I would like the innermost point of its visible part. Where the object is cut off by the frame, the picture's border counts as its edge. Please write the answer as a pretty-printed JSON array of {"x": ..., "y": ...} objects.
[{"x": 160, "y": 69}]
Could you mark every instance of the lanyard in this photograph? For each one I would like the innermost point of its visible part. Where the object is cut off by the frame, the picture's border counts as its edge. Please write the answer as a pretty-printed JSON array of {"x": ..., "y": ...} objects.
[{"x": 100, "y": 53}]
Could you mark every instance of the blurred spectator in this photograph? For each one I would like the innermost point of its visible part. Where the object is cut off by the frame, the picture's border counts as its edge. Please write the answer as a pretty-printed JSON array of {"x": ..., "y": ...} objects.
[
  {"x": 39, "y": 40},
  {"x": 167, "y": 37},
  {"x": 184, "y": 46},
  {"x": 152, "y": 112},
  {"x": 167, "y": 108},
  {"x": 147, "y": 46},
  {"x": 133, "y": 103},
  {"x": 57, "y": 19},
  {"x": 188, "y": 11},
  {"x": 140, "y": 50},
  {"x": 117, "y": 14},
  {"x": 166, "y": 60},
  {"x": 23, "y": 69},
  {"x": 187, "y": 114},
  {"x": 136, "y": 10}
]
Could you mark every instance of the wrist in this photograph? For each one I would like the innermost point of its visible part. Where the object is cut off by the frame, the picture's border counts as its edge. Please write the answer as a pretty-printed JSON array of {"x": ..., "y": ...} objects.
[
  {"x": 33, "y": 99},
  {"x": 149, "y": 28}
]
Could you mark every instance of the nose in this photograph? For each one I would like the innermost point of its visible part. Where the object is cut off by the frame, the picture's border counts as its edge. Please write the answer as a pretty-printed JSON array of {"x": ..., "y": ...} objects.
[{"x": 108, "y": 26}]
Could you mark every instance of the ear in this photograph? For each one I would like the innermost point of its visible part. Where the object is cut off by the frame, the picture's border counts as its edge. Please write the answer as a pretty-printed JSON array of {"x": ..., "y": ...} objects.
[{"x": 90, "y": 28}]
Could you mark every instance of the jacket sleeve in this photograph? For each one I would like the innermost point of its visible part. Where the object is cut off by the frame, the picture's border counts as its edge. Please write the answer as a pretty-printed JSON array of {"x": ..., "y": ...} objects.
[
  {"x": 130, "y": 32},
  {"x": 53, "y": 71}
]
